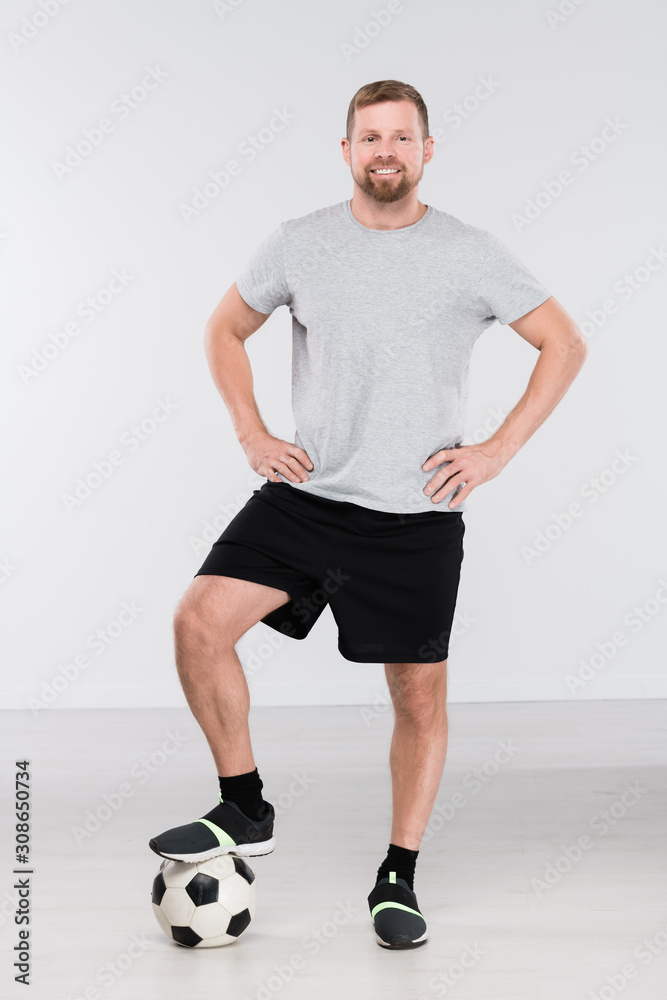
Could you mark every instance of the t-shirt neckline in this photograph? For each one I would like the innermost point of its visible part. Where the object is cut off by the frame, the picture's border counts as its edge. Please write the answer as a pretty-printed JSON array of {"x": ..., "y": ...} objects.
[{"x": 387, "y": 232}]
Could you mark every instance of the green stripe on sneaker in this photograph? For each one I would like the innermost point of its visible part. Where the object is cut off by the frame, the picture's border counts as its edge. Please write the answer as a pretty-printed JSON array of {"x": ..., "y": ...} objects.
[
  {"x": 397, "y": 906},
  {"x": 224, "y": 839},
  {"x": 392, "y": 876}
]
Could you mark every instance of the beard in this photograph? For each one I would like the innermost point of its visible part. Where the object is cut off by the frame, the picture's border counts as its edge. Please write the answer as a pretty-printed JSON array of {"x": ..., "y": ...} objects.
[{"x": 386, "y": 189}]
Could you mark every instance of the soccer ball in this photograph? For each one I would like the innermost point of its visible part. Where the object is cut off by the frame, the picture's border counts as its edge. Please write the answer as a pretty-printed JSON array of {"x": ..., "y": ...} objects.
[{"x": 207, "y": 903}]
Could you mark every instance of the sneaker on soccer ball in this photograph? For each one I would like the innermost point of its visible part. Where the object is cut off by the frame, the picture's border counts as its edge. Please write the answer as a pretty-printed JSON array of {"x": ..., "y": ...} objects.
[{"x": 223, "y": 830}]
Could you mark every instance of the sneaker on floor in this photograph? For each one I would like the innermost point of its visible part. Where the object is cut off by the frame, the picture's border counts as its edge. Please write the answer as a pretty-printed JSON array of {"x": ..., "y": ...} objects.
[
  {"x": 397, "y": 918},
  {"x": 223, "y": 830}
]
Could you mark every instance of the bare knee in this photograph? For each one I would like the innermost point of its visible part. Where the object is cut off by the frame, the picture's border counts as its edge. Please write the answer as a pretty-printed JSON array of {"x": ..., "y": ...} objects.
[
  {"x": 187, "y": 620},
  {"x": 199, "y": 619},
  {"x": 417, "y": 690}
]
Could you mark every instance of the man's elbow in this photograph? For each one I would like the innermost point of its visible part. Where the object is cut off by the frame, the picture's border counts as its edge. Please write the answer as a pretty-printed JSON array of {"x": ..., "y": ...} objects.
[
  {"x": 576, "y": 351},
  {"x": 579, "y": 344},
  {"x": 570, "y": 341},
  {"x": 569, "y": 346}
]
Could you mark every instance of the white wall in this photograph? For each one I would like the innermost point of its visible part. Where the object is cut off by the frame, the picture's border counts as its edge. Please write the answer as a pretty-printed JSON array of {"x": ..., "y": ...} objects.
[{"x": 219, "y": 71}]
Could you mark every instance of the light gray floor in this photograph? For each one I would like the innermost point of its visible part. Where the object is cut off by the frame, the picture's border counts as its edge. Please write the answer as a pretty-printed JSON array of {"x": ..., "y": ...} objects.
[{"x": 600, "y": 925}]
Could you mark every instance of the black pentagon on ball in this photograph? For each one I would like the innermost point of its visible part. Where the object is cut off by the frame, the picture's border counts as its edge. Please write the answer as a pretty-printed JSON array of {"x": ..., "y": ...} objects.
[
  {"x": 202, "y": 889},
  {"x": 186, "y": 936},
  {"x": 244, "y": 870},
  {"x": 238, "y": 923},
  {"x": 159, "y": 888}
]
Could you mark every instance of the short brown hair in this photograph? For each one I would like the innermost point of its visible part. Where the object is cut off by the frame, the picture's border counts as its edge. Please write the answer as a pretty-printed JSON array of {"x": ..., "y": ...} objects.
[{"x": 387, "y": 90}]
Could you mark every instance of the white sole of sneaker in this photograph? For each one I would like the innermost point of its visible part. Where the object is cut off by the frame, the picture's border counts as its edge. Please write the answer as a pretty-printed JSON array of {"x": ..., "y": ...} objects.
[
  {"x": 419, "y": 940},
  {"x": 243, "y": 851}
]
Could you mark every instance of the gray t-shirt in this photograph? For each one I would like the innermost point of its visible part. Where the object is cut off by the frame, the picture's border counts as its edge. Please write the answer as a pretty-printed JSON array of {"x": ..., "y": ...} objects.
[{"x": 383, "y": 326}]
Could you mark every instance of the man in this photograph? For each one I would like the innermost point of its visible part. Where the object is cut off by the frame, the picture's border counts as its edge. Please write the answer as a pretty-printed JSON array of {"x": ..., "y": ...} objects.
[{"x": 364, "y": 510}]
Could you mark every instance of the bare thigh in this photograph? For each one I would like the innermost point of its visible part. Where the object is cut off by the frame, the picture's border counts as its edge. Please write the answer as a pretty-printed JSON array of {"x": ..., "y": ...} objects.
[{"x": 226, "y": 606}]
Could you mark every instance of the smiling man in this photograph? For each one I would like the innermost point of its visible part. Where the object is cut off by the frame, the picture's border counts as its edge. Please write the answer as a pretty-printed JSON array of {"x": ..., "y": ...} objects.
[{"x": 364, "y": 510}]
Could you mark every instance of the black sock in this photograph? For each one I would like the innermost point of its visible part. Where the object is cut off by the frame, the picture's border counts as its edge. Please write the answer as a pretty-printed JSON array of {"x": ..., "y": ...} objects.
[
  {"x": 246, "y": 791},
  {"x": 400, "y": 860}
]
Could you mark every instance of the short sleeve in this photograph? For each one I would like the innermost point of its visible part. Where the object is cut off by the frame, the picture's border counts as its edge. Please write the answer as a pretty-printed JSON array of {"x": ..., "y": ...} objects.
[
  {"x": 507, "y": 289},
  {"x": 262, "y": 282}
]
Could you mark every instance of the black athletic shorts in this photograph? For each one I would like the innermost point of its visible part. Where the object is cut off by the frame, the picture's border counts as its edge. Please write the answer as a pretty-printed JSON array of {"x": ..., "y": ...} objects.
[{"x": 391, "y": 580}]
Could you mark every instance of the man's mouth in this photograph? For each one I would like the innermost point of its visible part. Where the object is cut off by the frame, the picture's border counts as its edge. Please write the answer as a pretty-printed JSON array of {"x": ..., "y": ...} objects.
[{"x": 385, "y": 171}]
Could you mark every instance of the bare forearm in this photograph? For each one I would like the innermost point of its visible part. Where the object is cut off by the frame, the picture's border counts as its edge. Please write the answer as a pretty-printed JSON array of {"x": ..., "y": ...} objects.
[
  {"x": 230, "y": 369},
  {"x": 555, "y": 370}
]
